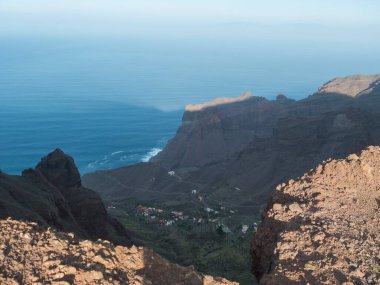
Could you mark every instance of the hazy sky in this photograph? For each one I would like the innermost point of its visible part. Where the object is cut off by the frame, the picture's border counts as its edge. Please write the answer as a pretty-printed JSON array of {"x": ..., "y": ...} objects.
[
  {"x": 119, "y": 17},
  {"x": 133, "y": 50}
]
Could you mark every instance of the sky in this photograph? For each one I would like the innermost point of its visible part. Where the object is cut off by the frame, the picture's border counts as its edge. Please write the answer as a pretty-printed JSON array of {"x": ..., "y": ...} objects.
[
  {"x": 211, "y": 47},
  {"x": 188, "y": 18}
]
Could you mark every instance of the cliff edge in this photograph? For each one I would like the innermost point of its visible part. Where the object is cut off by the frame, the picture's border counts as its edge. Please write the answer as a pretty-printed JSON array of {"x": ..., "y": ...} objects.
[{"x": 217, "y": 102}]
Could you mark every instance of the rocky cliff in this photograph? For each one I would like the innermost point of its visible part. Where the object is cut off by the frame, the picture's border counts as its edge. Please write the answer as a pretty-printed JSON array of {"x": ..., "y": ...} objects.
[
  {"x": 252, "y": 144},
  {"x": 232, "y": 154},
  {"x": 52, "y": 194},
  {"x": 30, "y": 254},
  {"x": 323, "y": 228}
]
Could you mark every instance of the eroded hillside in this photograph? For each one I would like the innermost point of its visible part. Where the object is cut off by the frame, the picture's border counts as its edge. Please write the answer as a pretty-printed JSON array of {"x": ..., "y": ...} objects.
[{"x": 323, "y": 228}]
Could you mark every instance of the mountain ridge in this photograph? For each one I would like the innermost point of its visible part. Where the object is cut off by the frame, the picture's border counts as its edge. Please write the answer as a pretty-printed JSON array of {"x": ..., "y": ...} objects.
[
  {"x": 353, "y": 86},
  {"x": 232, "y": 156},
  {"x": 223, "y": 136}
]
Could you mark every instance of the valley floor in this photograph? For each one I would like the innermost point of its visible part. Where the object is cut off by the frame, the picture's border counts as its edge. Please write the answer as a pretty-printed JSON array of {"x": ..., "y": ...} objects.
[{"x": 215, "y": 239}]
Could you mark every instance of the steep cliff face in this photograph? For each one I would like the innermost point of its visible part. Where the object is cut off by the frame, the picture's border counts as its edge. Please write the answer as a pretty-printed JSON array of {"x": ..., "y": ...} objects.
[
  {"x": 30, "y": 254},
  {"x": 252, "y": 144},
  {"x": 323, "y": 228},
  {"x": 211, "y": 133},
  {"x": 52, "y": 194}
]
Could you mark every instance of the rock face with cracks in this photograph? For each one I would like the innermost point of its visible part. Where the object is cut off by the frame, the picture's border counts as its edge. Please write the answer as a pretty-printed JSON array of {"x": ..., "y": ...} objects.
[
  {"x": 31, "y": 254},
  {"x": 323, "y": 228}
]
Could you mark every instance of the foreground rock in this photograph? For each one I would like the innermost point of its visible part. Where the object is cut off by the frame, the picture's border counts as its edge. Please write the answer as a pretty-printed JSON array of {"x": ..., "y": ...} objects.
[
  {"x": 30, "y": 254},
  {"x": 323, "y": 228},
  {"x": 53, "y": 194}
]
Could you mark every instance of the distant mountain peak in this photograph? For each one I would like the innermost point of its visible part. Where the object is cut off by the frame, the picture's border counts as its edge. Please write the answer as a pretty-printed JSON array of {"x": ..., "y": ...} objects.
[{"x": 352, "y": 86}]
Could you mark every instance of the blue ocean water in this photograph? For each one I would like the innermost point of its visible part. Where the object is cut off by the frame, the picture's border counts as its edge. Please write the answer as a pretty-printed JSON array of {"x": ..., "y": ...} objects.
[
  {"x": 99, "y": 135},
  {"x": 116, "y": 102}
]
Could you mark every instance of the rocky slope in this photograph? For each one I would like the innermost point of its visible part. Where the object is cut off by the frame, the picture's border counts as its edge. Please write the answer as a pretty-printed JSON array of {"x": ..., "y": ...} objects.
[
  {"x": 52, "y": 194},
  {"x": 30, "y": 254},
  {"x": 252, "y": 144},
  {"x": 323, "y": 228}
]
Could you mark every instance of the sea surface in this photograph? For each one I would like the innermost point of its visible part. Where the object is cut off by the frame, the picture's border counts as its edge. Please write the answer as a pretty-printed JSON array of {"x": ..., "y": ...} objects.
[
  {"x": 99, "y": 135},
  {"x": 111, "y": 103}
]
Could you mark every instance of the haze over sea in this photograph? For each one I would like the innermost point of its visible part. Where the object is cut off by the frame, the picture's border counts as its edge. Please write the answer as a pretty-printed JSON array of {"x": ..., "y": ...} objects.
[{"x": 111, "y": 93}]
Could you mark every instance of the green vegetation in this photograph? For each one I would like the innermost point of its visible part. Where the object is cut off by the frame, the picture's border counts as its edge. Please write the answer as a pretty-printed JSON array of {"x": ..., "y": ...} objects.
[{"x": 212, "y": 242}]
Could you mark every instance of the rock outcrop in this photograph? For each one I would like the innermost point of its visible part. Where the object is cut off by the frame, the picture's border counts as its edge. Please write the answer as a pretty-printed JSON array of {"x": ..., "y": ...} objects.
[
  {"x": 60, "y": 170},
  {"x": 30, "y": 254},
  {"x": 252, "y": 144},
  {"x": 52, "y": 194},
  {"x": 323, "y": 228}
]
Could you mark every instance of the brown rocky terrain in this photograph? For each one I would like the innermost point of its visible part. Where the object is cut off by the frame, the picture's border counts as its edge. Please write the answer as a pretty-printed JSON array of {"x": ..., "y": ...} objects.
[
  {"x": 323, "y": 228},
  {"x": 52, "y": 194},
  {"x": 354, "y": 86},
  {"x": 30, "y": 254}
]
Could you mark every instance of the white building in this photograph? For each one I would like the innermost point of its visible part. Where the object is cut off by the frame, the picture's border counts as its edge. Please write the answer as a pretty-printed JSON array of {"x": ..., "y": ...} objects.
[{"x": 177, "y": 214}]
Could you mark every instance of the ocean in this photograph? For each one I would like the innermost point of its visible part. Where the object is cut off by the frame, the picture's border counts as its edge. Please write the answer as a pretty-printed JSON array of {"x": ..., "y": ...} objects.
[
  {"x": 99, "y": 135},
  {"x": 111, "y": 103}
]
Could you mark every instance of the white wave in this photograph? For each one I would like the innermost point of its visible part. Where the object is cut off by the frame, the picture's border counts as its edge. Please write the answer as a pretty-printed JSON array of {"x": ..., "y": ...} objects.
[
  {"x": 133, "y": 157},
  {"x": 92, "y": 164},
  {"x": 116, "y": 152},
  {"x": 150, "y": 154},
  {"x": 98, "y": 163}
]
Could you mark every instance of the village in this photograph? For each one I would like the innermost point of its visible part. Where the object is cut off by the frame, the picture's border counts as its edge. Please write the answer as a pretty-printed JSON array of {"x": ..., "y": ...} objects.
[
  {"x": 169, "y": 218},
  {"x": 205, "y": 212},
  {"x": 196, "y": 226}
]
